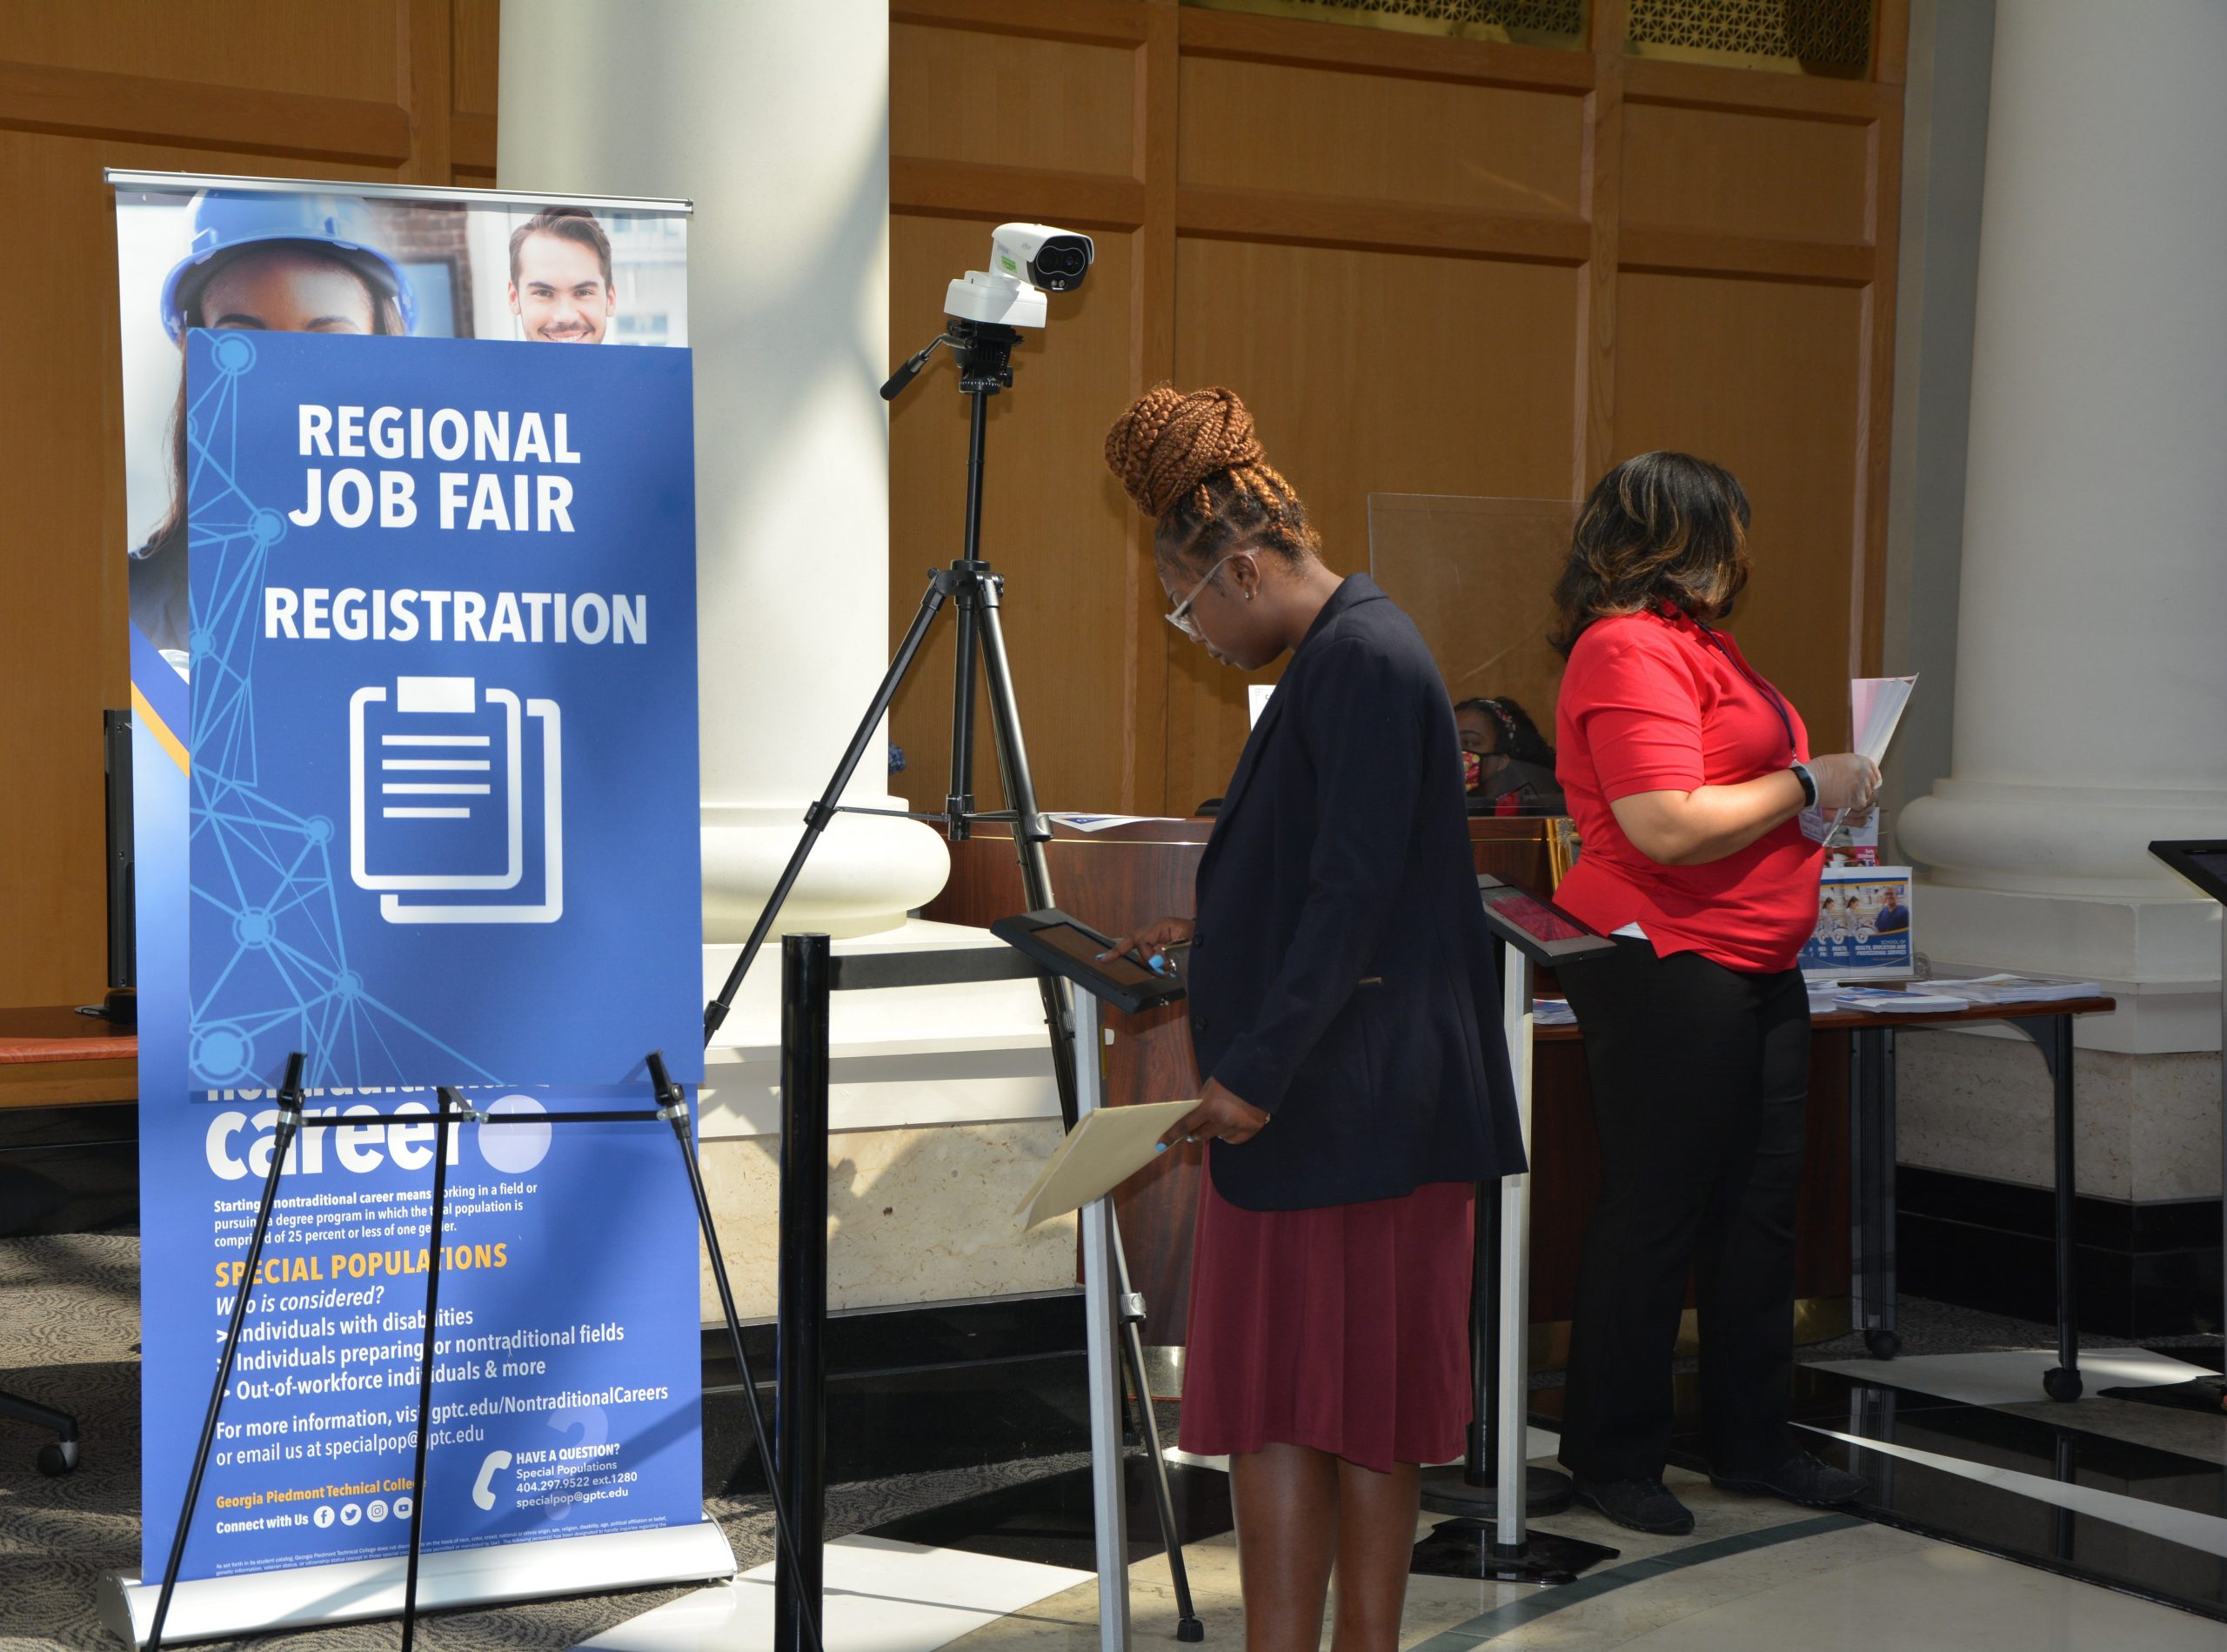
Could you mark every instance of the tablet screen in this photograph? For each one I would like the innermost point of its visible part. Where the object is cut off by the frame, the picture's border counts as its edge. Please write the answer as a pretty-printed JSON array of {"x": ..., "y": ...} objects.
[
  {"x": 1534, "y": 918},
  {"x": 1084, "y": 949}
]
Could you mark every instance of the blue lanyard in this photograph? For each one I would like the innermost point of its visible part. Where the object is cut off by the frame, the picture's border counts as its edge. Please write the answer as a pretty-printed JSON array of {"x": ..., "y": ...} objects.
[{"x": 1776, "y": 700}]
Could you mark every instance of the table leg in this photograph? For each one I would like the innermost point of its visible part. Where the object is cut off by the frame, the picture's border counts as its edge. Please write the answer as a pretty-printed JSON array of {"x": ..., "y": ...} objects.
[
  {"x": 1882, "y": 1082},
  {"x": 1872, "y": 1212},
  {"x": 2063, "y": 1382},
  {"x": 2052, "y": 1036}
]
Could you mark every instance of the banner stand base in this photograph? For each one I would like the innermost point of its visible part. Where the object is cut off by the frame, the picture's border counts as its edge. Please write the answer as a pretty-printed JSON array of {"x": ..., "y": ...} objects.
[{"x": 307, "y": 1596}]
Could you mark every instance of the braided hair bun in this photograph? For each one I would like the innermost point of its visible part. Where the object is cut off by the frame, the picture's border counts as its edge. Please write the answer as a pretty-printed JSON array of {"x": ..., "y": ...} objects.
[
  {"x": 1168, "y": 443},
  {"x": 1192, "y": 462}
]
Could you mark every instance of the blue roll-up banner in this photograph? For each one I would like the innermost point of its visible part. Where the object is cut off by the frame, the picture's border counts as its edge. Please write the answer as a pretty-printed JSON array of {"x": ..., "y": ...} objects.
[{"x": 415, "y": 795}]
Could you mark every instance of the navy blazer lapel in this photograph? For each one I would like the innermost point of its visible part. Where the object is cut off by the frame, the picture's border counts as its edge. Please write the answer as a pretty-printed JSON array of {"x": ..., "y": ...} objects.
[
  {"x": 1356, "y": 588},
  {"x": 1248, "y": 765}
]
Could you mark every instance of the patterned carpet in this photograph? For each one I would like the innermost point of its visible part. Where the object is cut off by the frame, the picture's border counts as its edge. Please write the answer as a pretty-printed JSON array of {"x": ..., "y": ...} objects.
[{"x": 69, "y": 1337}]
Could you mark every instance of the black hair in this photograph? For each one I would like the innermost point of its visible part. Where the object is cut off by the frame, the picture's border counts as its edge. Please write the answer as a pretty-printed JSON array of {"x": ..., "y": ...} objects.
[
  {"x": 1520, "y": 739},
  {"x": 1662, "y": 529}
]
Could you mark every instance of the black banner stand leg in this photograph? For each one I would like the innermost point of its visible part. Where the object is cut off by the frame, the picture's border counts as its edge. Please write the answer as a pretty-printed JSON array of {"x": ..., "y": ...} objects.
[
  {"x": 673, "y": 1107},
  {"x": 449, "y": 1100},
  {"x": 282, "y": 1143}
]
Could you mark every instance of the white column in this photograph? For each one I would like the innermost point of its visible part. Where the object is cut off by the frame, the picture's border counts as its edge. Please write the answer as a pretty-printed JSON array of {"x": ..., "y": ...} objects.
[
  {"x": 2092, "y": 642},
  {"x": 774, "y": 120}
]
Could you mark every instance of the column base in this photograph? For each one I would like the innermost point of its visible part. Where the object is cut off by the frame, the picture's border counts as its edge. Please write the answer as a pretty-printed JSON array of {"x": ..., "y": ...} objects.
[
  {"x": 942, "y": 1109},
  {"x": 865, "y": 874},
  {"x": 2157, "y": 955}
]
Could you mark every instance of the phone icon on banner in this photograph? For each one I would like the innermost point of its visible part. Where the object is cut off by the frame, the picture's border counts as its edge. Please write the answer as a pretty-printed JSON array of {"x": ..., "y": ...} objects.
[
  {"x": 438, "y": 800},
  {"x": 483, "y": 1489}
]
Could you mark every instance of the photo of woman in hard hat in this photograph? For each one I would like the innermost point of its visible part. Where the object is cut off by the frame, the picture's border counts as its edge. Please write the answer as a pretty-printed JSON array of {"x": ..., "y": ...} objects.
[{"x": 266, "y": 263}]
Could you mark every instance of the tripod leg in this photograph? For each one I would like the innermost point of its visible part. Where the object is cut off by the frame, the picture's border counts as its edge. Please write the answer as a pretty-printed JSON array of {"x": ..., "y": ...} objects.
[
  {"x": 425, "y": 1367},
  {"x": 669, "y": 1102},
  {"x": 1131, "y": 1311},
  {"x": 1030, "y": 835},
  {"x": 282, "y": 1143},
  {"x": 940, "y": 586}
]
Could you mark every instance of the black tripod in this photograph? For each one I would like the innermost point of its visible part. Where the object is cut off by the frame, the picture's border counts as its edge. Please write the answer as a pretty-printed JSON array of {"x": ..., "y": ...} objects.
[{"x": 985, "y": 354}]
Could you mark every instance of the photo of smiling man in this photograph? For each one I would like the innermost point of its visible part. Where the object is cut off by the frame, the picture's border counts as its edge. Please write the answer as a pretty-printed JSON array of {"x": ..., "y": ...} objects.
[{"x": 561, "y": 289}]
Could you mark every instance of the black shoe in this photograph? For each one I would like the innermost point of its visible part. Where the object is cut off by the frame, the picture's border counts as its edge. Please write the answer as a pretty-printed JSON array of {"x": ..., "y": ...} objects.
[
  {"x": 1800, "y": 1479},
  {"x": 1643, "y": 1505}
]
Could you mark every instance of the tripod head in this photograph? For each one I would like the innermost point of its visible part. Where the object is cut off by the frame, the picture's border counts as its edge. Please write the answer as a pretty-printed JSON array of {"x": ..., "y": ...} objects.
[{"x": 984, "y": 353}]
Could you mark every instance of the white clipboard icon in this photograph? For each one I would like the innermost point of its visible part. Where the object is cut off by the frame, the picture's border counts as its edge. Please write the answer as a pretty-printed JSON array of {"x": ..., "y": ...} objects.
[{"x": 454, "y": 785}]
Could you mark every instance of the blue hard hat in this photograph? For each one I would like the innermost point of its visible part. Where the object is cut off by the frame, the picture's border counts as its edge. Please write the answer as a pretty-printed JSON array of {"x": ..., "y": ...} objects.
[{"x": 223, "y": 221}]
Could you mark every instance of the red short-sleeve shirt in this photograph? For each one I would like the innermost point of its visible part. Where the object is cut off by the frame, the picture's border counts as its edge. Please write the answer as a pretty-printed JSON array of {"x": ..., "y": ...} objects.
[{"x": 1652, "y": 702}]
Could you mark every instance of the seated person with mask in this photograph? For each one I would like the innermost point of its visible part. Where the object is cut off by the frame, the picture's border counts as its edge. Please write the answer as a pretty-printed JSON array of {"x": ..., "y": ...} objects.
[{"x": 1514, "y": 765}]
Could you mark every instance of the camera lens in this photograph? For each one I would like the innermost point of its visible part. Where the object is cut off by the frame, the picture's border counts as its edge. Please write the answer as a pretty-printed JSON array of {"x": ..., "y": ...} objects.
[{"x": 1061, "y": 264}]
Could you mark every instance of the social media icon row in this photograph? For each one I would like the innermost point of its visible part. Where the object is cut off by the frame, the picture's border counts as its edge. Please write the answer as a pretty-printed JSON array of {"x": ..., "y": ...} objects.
[{"x": 354, "y": 1514}]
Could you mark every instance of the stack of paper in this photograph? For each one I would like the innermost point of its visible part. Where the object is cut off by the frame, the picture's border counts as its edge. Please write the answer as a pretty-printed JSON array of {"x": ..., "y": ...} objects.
[
  {"x": 2014, "y": 989},
  {"x": 1097, "y": 822},
  {"x": 1886, "y": 1001},
  {"x": 1553, "y": 1012}
]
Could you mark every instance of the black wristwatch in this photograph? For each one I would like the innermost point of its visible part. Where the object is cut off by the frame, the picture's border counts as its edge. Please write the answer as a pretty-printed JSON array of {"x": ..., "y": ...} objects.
[{"x": 1808, "y": 784}]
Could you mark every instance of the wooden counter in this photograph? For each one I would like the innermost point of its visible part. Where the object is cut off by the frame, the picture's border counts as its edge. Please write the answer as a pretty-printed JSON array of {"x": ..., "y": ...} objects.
[
  {"x": 52, "y": 1058},
  {"x": 1127, "y": 875}
]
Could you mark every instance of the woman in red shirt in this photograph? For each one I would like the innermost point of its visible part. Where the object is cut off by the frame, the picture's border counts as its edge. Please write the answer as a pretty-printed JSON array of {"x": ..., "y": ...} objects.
[{"x": 1687, "y": 774}]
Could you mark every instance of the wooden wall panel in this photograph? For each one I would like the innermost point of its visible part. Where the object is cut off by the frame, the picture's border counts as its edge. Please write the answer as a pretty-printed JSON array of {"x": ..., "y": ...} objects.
[
  {"x": 1274, "y": 126},
  {"x": 1054, "y": 523},
  {"x": 1428, "y": 265},
  {"x": 350, "y": 52},
  {"x": 1438, "y": 376},
  {"x": 1005, "y": 100},
  {"x": 1763, "y": 376},
  {"x": 365, "y": 92},
  {"x": 1739, "y": 173}
]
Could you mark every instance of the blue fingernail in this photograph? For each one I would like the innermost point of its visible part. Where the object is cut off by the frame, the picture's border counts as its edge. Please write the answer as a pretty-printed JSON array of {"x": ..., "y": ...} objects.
[{"x": 1160, "y": 1147}]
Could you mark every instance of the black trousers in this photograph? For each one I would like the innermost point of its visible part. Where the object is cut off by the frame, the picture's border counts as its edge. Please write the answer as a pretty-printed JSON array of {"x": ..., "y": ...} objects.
[{"x": 1700, "y": 1076}]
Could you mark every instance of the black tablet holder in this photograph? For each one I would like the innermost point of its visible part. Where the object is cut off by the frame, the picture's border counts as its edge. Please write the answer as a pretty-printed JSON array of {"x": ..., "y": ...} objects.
[{"x": 669, "y": 1106}]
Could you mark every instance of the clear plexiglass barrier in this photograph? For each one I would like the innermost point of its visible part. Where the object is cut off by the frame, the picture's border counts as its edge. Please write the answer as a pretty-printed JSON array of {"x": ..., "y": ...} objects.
[{"x": 1477, "y": 576}]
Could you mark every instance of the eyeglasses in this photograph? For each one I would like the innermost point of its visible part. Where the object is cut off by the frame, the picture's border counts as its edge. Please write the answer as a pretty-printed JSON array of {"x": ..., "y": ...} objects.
[{"x": 1180, "y": 616}]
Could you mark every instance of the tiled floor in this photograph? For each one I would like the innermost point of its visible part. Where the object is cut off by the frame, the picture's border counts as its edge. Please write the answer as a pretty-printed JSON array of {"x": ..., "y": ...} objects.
[
  {"x": 2024, "y": 1525},
  {"x": 1753, "y": 1574}
]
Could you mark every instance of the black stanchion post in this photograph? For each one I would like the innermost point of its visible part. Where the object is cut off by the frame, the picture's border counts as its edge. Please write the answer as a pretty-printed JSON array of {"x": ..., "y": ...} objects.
[
  {"x": 282, "y": 1143},
  {"x": 801, "y": 1355}
]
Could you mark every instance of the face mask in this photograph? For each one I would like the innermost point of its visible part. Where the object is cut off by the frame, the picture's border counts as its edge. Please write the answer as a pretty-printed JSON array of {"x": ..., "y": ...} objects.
[{"x": 1472, "y": 771}]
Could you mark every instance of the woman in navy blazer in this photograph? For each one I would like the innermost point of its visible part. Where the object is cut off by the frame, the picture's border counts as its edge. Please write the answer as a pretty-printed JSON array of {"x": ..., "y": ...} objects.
[{"x": 1345, "y": 1013}]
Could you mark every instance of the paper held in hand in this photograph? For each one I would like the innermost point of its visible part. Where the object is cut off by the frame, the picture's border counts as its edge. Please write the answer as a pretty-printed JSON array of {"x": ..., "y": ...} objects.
[
  {"x": 1875, "y": 706},
  {"x": 1109, "y": 1146}
]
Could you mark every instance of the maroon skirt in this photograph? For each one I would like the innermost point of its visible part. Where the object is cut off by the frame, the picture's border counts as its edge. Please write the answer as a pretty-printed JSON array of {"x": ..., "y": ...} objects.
[{"x": 1345, "y": 1328}]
